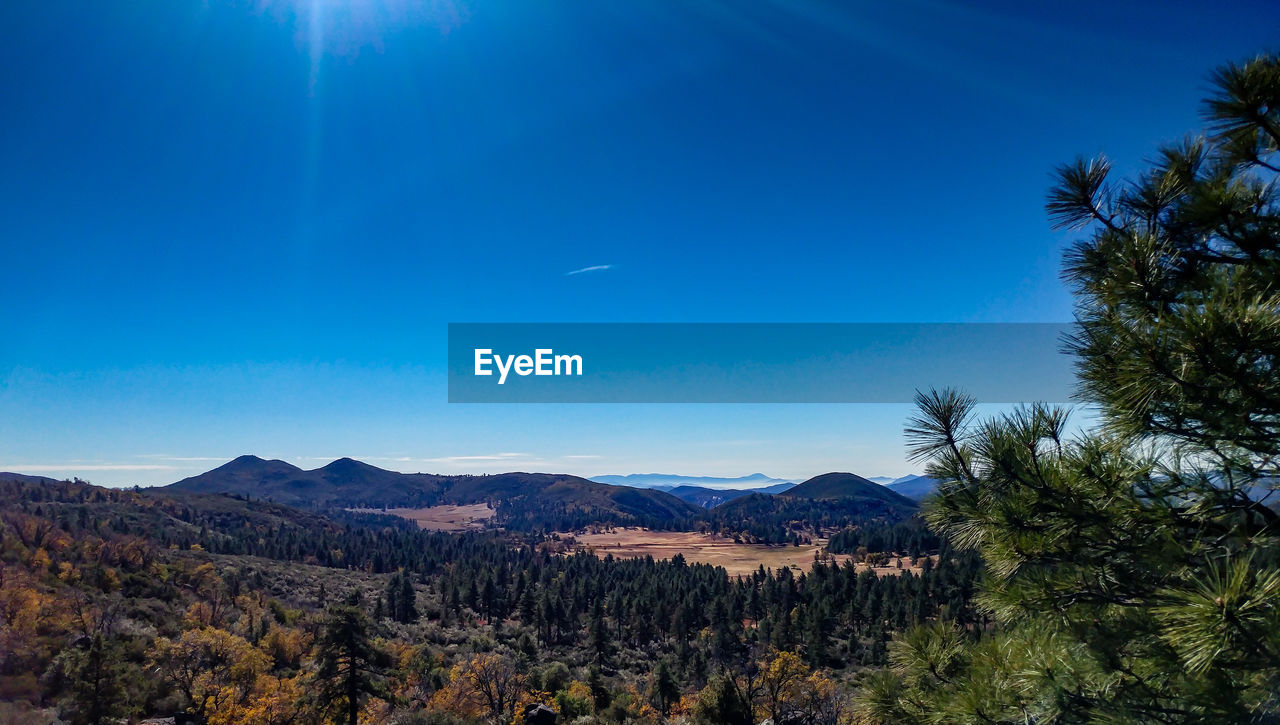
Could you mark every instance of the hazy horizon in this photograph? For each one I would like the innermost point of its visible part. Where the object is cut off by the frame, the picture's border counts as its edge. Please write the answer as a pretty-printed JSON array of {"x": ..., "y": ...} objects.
[{"x": 178, "y": 468}]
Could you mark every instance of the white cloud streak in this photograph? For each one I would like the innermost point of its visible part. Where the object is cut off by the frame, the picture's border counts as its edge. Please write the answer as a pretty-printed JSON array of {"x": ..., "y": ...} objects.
[
  {"x": 595, "y": 268},
  {"x": 55, "y": 467}
]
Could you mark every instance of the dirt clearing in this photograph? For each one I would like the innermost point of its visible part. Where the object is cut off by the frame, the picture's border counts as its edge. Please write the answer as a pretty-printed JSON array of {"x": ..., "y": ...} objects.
[
  {"x": 699, "y": 548},
  {"x": 442, "y": 518}
]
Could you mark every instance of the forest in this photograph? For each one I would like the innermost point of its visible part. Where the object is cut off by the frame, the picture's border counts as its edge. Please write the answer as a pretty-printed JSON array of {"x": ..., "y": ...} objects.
[{"x": 254, "y": 612}]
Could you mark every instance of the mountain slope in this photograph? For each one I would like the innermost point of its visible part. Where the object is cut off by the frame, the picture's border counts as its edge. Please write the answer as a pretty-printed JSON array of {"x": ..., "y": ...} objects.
[
  {"x": 817, "y": 507},
  {"x": 344, "y": 482},
  {"x": 846, "y": 485},
  {"x": 706, "y": 497},
  {"x": 536, "y": 499},
  {"x": 24, "y": 478},
  {"x": 668, "y": 481},
  {"x": 913, "y": 487}
]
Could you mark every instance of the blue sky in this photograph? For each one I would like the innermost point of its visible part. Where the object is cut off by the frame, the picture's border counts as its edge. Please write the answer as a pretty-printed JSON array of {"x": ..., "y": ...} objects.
[{"x": 238, "y": 227}]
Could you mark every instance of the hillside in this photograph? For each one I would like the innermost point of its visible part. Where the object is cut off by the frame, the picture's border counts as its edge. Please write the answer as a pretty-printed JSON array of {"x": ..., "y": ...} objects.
[
  {"x": 344, "y": 482},
  {"x": 913, "y": 487},
  {"x": 525, "y": 500},
  {"x": 243, "y": 595},
  {"x": 847, "y": 486},
  {"x": 669, "y": 481},
  {"x": 24, "y": 478},
  {"x": 707, "y": 497},
  {"x": 816, "y": 507}
]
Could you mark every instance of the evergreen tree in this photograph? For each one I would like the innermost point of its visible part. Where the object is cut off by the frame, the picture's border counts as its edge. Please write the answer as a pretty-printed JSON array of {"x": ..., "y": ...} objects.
[
  {"x": 722, "y": 702},
  {"x": 666, "y": 691},
  {"x": 1133, "y": 571},
  {"x": 401, "y": 598},
  {"x": 350, "y": 665},
  {"x": 99, "y": 692},
  {"x": 599, "y": 633}
]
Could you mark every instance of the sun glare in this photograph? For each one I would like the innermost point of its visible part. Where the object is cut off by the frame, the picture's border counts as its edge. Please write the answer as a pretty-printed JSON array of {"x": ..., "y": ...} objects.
[{"x": 349, "y": 27}]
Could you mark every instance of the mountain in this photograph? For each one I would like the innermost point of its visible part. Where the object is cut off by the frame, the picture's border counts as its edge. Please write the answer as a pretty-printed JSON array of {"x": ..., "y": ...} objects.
[
  {"x": 706, "y": 497},
  {"x": 24, "y": 478},
  {"x": 670, "y": 481},
  {"x": 846, "y": 485},
  {"x": 913, "y": 487},
  {"x": 532, "y": 500},
  {"x": 344, "y": 482},
  {"x": 712, "y": 497},
  {"x": 822, "y": 504}
]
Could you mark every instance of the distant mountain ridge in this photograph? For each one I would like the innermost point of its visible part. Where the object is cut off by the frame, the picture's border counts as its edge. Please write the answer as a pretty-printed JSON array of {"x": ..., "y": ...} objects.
[
  {"x": 665, "y": 481},
  {"x": 913, "y": 487},
  {"x": 350, "y": 483},
  {"x": 712, "y": 497},
  {"x": 24, "y": 478},
  {"x": 831, "y": 500}
]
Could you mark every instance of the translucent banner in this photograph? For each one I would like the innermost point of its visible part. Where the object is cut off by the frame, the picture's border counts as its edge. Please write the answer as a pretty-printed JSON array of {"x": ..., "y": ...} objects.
[{"x": 754, "y": 362}]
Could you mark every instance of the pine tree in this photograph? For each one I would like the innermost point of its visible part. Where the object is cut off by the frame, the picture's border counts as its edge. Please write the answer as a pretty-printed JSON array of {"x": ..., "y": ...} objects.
[
  {"x": 1133, "y": 571},
  {"x": 99, "y": 692},
  {"x": 407, "y": 600},
  {"x": 598, "y": 632},
  {"x": 350, "y": 665},
  {"x": 401, "y": 599},
  {"x": 666, "y": 691}
]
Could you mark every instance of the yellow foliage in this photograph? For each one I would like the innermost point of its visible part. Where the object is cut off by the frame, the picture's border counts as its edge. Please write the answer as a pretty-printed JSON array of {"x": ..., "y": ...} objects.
[
  {"x": 782, "y": 681},
  {"x": 486, "y": 686},
  {"x": 68, "y": 573},
  {"x": 109, "y": 580},
  {"x": 40, "y": 559},
  {"x": 199, "y": 614},
  {"x": 217, "y": 671},
  {"x": 685, "y": 706},
  {"x": 269, "y": 701},
  {"x": 634, "y": 706},
  {"x": 579, "y": 690},
  {"x": 457, "y": 698},
  {"x": 377, "y": 712},
  {"x": 527, "y": 698},
  {"x": 22, "y": 608},
  {"x": 286, "y": 646}
]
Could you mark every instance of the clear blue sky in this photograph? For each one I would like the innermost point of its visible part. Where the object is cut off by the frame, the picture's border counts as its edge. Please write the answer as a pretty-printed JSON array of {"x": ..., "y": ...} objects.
[{"x": 236, "y": 227}]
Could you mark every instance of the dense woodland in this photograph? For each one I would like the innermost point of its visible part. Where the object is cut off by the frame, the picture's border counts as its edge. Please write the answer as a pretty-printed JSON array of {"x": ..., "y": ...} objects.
[{"x": 104, "y": 587}]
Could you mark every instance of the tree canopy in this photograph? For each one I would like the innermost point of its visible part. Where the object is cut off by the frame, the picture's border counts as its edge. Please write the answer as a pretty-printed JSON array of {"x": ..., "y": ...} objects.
[{"x": 1132, "y": 571}]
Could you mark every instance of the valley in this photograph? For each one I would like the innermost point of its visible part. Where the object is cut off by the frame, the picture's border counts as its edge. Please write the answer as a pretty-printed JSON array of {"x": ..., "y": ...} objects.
[
  {"x": 736, "y": 558},
  {"x": 564, "y": 583},
  {"x": 447, "y": 517}
]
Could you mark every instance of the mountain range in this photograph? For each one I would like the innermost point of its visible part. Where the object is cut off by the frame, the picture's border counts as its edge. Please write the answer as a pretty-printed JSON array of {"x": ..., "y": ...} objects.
[
  {"x": 711, "y": 491},
  {"x": 668, "y": 481},
  {"x": 347, "y": 483},
  {"x": 833, "y": 496},
  {"x": 712, "y": 497},
  {"x": 913, "y": 487}
]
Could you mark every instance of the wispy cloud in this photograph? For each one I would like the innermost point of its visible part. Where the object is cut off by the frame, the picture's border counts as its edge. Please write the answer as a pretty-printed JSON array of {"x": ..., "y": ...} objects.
[
  {"x": 166, "y": 457},
  {"x": 55, "y": 467},
  {"x": 595, "y": 268},
  {"x": 490, "y": 457},
  {"x": 482, "y": 459}
]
